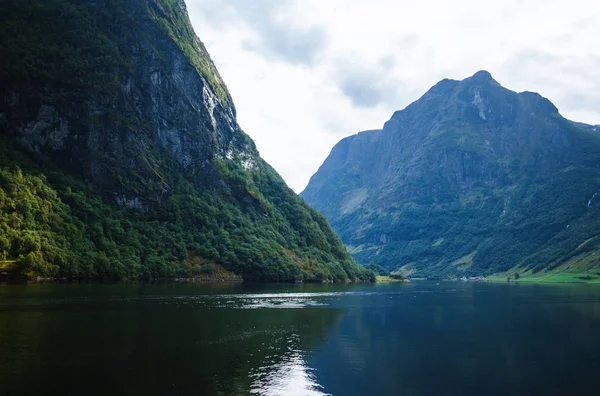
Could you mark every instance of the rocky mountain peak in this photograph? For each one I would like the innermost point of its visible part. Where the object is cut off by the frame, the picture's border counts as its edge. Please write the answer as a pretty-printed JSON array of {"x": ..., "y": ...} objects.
[
  {"x": 482, "y": 81},
  {"x": 536, "y": 103},
  {"x": 465, "y": 179},
  {"x": 479, "y": 97},
  {"x": 482, "y": 77}
]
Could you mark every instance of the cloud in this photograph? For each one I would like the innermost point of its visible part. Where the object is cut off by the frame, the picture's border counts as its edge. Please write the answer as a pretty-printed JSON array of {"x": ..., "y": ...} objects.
[
  {"x": 306, "y": 73},
  {"x": 569, "y": 81},
  {"x": 270, "y": 32},
  {"x": 388, "y": 62},
  {"x": 364, "y": 93},
  {"x": 291, "y": 46},
  {"x": 368, "y": 86}
]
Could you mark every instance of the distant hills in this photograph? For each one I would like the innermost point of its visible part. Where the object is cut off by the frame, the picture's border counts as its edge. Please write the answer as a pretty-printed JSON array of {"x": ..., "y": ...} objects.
[{"x": 471, "y": 179}]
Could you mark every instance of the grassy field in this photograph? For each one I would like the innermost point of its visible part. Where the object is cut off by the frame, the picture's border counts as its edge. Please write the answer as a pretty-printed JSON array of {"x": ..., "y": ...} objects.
[
  {"x": 581, "y": 268},
  {"x": 388, "y": 279},
  {"x": 548, "y": 277}
]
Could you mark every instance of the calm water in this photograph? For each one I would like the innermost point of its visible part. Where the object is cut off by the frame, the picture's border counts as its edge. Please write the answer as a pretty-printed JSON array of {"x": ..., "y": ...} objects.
[{"x": 396, "y": 339}]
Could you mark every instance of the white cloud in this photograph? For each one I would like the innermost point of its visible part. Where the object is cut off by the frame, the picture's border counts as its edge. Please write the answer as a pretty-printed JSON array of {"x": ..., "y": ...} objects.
[{"x": 306, "y": 73}]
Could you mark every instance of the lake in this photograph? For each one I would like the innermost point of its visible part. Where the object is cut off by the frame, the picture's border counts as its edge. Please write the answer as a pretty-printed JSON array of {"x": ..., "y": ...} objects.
[{"x": 420, "y": 338}]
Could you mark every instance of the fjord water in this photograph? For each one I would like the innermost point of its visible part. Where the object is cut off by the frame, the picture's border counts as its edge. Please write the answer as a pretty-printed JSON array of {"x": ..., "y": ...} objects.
[{"x": 421, "y": 338}]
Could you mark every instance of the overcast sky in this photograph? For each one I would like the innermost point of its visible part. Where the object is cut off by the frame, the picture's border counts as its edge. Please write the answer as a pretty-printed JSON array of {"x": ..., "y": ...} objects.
[{"x": 305, "y": 73}]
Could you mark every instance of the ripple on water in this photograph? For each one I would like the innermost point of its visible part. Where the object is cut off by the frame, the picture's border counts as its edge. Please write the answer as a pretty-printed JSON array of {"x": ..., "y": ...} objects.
[
  {"x": 290, "y": 376},
  {"x": 236, "y": 301}
]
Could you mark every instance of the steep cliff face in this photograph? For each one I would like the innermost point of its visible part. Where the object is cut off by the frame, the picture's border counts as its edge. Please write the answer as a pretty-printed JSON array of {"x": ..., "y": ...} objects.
[
  {"x": 115, "y": 111},
  {"x": 110, "y": 87},
  {"x": 471, "y": 178}
]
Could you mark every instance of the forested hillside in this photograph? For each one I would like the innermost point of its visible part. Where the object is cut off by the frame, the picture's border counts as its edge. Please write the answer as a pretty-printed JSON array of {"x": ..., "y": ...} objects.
[
  {"x": 121, "y": 156},
  {"x": 471, "y": 179}
]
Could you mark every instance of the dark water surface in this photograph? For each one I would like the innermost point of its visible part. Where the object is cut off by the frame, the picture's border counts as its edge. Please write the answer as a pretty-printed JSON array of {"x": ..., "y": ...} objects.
[{"x": 390, "y": 339}]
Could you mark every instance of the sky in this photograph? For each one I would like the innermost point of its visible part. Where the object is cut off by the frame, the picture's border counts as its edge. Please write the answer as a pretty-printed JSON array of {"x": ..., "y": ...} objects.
[{"x": 304, "y": 74}]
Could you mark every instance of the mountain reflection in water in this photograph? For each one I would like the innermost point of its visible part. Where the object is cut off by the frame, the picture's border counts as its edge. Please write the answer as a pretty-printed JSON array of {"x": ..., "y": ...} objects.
[{"x": 421, "y": 339}]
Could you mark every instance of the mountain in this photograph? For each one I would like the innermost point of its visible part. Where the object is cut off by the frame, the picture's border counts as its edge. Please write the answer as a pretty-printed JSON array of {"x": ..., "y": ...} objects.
[
  {"x": 121, "y": 156},
  {"x": 470, "y": 179}
]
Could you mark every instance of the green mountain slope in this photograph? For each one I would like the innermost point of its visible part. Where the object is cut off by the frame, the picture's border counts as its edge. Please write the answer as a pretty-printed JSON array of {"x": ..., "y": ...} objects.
[
  {"x": 472, "y": 178},
  {"x": 120, "y": 155}
]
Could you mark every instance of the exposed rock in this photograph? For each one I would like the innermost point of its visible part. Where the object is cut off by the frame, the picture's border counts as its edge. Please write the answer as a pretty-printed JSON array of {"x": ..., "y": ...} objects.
[
  {"x": 122, "y": 105},
  {"x": 489, "y": 170}
]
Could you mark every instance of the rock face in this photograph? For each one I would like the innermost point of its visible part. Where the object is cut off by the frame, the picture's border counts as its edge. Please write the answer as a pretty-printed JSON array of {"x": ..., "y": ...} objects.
[
  {"x": 153, "y": 89},
  {"x": 121, "y": 100},
  {"x": 471, "y": 178}
]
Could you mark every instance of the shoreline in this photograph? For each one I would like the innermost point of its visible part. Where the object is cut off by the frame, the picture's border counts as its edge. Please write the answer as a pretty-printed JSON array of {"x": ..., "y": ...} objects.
[
  {"x": 234, "y": 280},
  {"x": 555, "y": 277},
  {"x": 40, "y": 280},
  {"x": 389, "y": 279}
]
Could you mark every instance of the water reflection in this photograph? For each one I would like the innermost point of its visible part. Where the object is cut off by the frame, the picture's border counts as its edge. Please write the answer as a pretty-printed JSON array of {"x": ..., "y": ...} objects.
[
  {"x": 59, "y": 340},
  {"x": 465, "y": 339},
  {"x": 289, "y": 376},
  {"x": 414, "y": 339}
]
